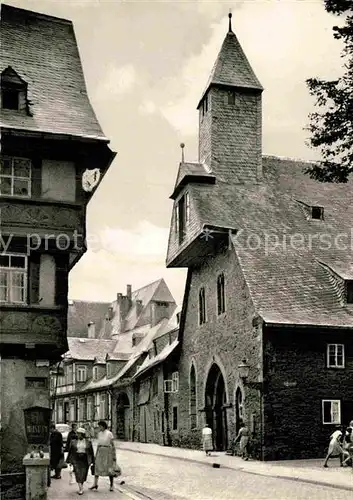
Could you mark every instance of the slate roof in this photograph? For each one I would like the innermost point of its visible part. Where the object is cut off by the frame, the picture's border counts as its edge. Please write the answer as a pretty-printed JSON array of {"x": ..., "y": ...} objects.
[
  {"x": 157, "y": 291},
  {"x": 192, "y": 172},
  {"x": 81, "y": 312},
  {"x": 287, "y": 283},
  {"x": 142, "y": 347},
  {"x": 89, "y": 349},
  {"x": 43, "y": 51},
  {"x": 232, "y": 67}
]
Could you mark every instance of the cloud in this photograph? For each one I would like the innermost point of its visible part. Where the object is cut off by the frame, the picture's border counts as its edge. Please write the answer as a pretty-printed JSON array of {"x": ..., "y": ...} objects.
[
  {"x": 286, "y": 43},
  {"x": 118, "y": 81},
  {"x": 148, "y": 107},
  {"x": 122, "y": 257}
]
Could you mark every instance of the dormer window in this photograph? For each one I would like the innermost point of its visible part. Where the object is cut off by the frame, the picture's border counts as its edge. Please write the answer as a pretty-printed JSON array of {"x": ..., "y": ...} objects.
[
  {"x": 349, "y": 292},
  {"x": 95, "y": 373},
  {"x": 182, "y": 217},
  {"x": 317, "y": 213},
  {"x": 13, "y": 91},
  {"x": 109, "y": 370},
  {"x": 231, "y": 98}
]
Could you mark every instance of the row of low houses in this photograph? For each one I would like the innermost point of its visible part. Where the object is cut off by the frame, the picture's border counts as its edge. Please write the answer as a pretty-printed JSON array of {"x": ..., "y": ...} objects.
[
  {"x": 265, "y": 330},
  {"x": 113, "y": 373}
]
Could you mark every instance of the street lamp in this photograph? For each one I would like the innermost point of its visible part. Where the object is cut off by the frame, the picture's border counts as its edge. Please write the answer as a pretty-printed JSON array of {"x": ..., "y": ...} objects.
[{"x": 244, "y": 369}]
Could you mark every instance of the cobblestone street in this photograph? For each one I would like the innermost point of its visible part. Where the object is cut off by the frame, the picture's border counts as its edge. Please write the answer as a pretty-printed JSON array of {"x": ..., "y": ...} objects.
[{"x": 163, "y": 478}]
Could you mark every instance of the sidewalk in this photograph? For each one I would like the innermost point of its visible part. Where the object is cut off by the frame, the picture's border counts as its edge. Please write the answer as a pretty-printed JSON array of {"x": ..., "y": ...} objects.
[{"x": 309, "y": 471}]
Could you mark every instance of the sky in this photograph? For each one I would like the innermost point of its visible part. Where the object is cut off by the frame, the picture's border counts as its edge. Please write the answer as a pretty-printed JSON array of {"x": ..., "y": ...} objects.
[{"x": 146, "y": 64}]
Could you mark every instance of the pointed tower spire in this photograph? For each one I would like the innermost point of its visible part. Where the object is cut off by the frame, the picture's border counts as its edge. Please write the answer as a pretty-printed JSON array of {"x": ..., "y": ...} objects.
[
  {"x": 230, "y": 116},
  {"x": 232, "y": 67}
]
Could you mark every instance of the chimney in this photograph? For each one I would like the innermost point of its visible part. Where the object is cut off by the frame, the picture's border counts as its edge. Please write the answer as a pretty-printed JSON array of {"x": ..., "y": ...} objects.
[
  {"x": 159, "y": 311},
  {"x": 91, "y": 330},
  {"x": 119, "y": 297},
  {"x": 128, "y": 292}
]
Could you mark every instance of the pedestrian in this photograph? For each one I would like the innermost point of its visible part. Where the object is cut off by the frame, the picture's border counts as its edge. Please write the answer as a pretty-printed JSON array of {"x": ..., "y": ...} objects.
[
  {"x": 105, "y": 460},
  {"x": 56, "y": 451},
  {"x": 348, "y": 445},
  {"x": 71, "y": 436},
  {"x": 207, "y": 439},
  {"x": 243, "y": 437},
  {"x": 335, "y": 448},
  {"x": 81, "y": 456}
]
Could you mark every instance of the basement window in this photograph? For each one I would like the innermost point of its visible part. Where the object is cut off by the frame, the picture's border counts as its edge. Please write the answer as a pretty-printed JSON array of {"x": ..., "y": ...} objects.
[{"x": 317, "y": 213}]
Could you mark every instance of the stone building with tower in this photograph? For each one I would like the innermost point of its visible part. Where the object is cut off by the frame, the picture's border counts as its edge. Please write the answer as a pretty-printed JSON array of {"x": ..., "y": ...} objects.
[
  {"x": 53, "y": 156},
  {"x": 266, "y": 326}
]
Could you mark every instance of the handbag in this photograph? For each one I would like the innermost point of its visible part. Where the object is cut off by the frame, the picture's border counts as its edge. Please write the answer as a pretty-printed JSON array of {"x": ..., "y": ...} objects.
[
  {"x": 93, "y": 469},
  {"x": 62, "y": 464},
  {"x": 116, "y": 471}
]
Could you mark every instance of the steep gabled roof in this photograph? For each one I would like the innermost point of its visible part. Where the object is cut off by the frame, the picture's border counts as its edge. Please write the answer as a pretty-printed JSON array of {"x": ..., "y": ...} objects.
[
  {"x": 286, "y": 280},
  {"x": 43, "y": 51},
  {"x": 192, "y": 172},
  {"x": 81, "y": 312},
  {"x": 232, "y": 68}
]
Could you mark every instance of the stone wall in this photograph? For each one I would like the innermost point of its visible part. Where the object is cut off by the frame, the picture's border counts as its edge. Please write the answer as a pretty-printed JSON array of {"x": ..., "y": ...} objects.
[
  {"x": 224, "y": 340},
  {"x": 18, "y": 392},
  {"x": 297, "y": 381}
]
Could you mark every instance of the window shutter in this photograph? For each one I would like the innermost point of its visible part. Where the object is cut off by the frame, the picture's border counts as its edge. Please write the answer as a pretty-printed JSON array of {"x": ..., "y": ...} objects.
[
  {"x": 36, "y": 178},
  {"x": 61, "y": 280},
  {"x": 33, "y": 278}
]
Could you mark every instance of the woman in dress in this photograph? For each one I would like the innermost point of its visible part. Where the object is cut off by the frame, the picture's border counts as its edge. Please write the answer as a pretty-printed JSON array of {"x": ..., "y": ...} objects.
[
  {"x": 207, "y": 439},
  {"x": 81, "y": 456},
  {"x": 243, "y": 437},
  {"x": 105, "y": 461},
  {"x": 335, "y": 447}
]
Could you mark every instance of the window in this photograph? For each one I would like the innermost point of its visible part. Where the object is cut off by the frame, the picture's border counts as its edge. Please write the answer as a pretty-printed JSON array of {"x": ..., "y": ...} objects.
[
  {"x": 13, "y": 279},
  {"x": 109, "y": 370},
  {"x": 15, "y": 176},
  {"x": 81, "y": 373},
  {"x": 220, "y": 294},
  {"x": 95, "y": 373},
  {"x": 204, "y": 105},
  {"x": 335, "y": 355},
  {"x": 103, "y": 406},
  {"x": 192, "y": 396},
  {"x": 175, "y": 381},
  {"x": 331, "y": 411},
  {"x": 317, "y": 213},
  {"x": 168, "y": 386},
  {"x": 89, "y": 409},
  {"x": 13, "y": 90},
  {"x": 96, "y": 407},
  {"x": 72, "y": 410},
  {"x": 182, "y": 216},
  {"x": 70, "y": 374},
  {"x": 175, "y": 418},
  {"x": 81, "y": 410},
  {"x": 10, "y": 98},
  {"x": 231, "y": 98},
  {"x": 202, "y": 306},
  {"x": 349, "y": 287}
]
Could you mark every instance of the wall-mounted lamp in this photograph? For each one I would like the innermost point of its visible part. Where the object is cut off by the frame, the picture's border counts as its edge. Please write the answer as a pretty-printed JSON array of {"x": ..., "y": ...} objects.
[{"x": 244, "y": 369}]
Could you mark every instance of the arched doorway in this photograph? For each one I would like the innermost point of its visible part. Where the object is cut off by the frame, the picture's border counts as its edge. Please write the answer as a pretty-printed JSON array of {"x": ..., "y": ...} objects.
[
  {"x": 216, "y": 415},
  {"x": 239, "y": 409},
  {"x": 122, "y": 413}
]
